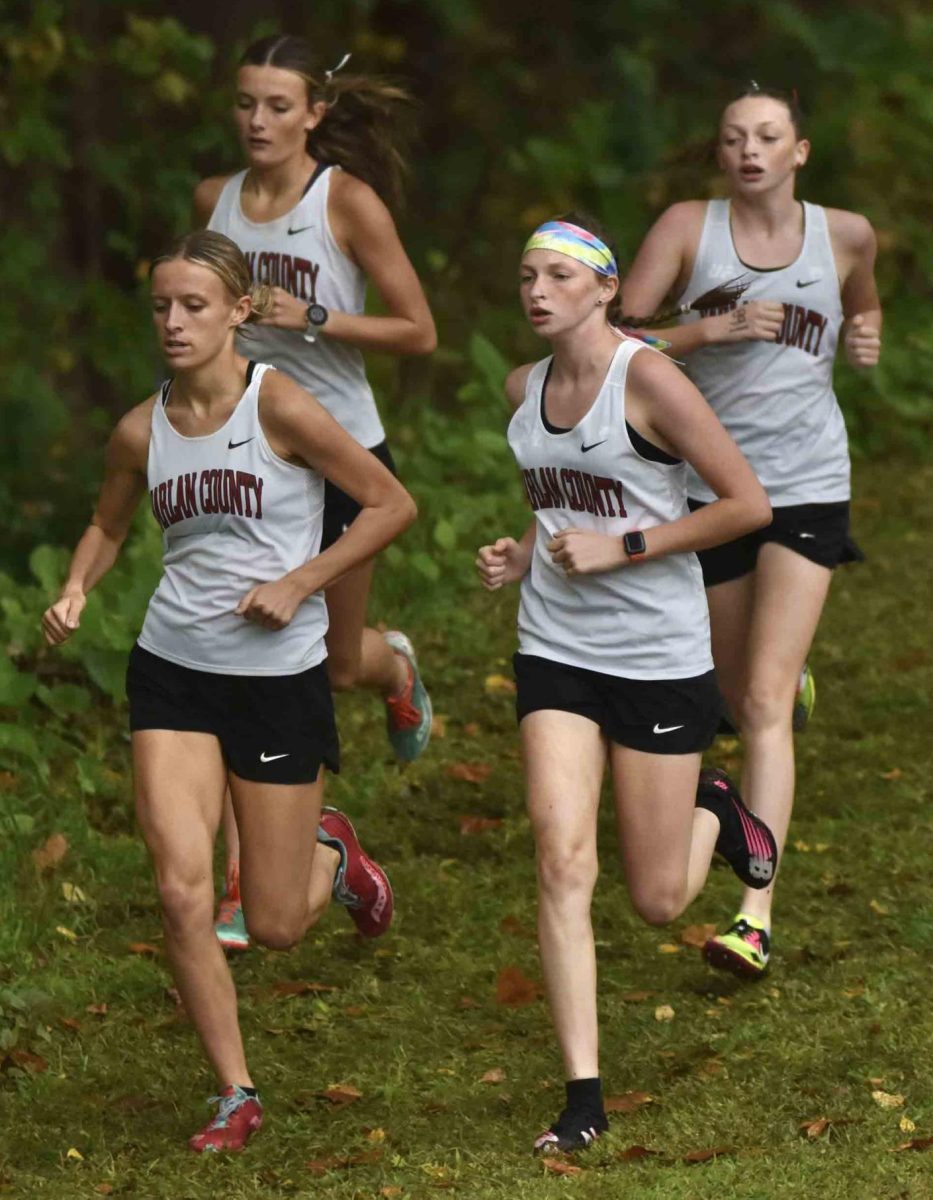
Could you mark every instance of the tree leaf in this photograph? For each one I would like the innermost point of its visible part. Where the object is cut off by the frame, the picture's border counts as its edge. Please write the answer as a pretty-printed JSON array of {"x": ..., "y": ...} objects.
[
  {"x": 628, "y": 1102},
  {"x": 47, "y": 856},
  {"x": 470, "y": 825},
  {"x": 557, "y": 1166},
  {"x": 340, "y": 1095},
  {"x": 495, "y": 1075},
  {"x": 469, "y": 772},
  {"x": 701, "y": 1156},
  {"x": 514, "y": 989},
  {"x": 697, "y": 935}
]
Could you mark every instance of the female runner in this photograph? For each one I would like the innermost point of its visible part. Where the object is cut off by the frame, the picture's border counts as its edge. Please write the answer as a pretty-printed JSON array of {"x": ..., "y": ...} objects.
[
  {"x": 614, "y": 657},
  {"x": 766, "y": 368},
  {"x": 311, "y": 214},
  {"x": 227, "y": 684}
]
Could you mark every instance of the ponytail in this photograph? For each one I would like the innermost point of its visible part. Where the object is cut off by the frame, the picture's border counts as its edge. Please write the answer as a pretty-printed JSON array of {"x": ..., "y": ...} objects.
[{"x": 366, "y": 126}]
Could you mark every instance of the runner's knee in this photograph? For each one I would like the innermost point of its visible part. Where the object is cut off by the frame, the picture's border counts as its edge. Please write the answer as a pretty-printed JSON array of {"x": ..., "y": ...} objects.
[
  {"x": 566, "y": 869},
  {"x": 658, "y": 902}
]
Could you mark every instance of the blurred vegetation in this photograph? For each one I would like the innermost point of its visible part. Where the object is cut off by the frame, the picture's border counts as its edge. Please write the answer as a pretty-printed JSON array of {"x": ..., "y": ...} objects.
[{"x": 109, "y": 114}]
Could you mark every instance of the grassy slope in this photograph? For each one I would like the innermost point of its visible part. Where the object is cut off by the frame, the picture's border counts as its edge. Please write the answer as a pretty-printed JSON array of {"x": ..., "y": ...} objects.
[{"x": 414, "y": 1022}]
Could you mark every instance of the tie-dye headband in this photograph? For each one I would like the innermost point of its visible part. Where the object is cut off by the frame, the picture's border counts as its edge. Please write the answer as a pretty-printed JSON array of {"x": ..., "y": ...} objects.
[{"x": 575, "y": 242}]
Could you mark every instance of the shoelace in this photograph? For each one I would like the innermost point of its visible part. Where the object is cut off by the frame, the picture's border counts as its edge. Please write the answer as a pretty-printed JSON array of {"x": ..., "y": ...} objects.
[{"x": 227, "y": 1107}]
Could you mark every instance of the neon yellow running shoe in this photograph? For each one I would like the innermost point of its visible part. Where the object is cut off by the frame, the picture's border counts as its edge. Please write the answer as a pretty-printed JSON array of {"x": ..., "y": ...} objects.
[
  {"x": 743, "y": 949},
  {"x": 804, "y": 700}
]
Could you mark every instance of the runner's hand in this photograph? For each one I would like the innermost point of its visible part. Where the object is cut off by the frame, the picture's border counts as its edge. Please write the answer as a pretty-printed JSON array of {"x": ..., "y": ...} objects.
[
  {"x": 584, "y": 552},
  {"x": 271, "y": 605},
  {"x": 62, "y": 618},
  {"x": 288, "y": 311},
  {"x": 755, "y": 321},
  {"x": 862, "y": 343},
  {"x": 506, "y": 561}
]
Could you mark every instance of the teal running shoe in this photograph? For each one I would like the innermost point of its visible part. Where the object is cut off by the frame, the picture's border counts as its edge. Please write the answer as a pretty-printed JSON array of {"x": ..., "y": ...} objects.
[
  {"x": 408, "y": 716},
  {"x": 804, "y": 700},
  {"x": 230, "y": 925}
]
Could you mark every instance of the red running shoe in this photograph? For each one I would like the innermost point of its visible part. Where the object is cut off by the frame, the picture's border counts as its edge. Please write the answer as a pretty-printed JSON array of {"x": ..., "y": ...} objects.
[
  {"x": 360, "y": 885},
  {"x": 238, "y": 1117}
]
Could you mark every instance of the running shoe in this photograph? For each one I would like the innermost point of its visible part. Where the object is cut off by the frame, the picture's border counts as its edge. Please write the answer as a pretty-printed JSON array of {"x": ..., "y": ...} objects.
[
  {"x": 238, "y": 1117},
  {"x": 408, "y": 716},
  {"x": 744, "y": 841},
  {"x": 360, "y": 884},
  {"x": 744, "y": 948},
  {"x": 574, "y": 1129},
  {"x": 804, "y": 700},
  {"x": 230, "y": 925}
]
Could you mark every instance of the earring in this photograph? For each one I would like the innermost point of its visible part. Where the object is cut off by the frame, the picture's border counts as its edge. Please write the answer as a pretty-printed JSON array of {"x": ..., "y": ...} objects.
[{"x": 598, "y": 303}]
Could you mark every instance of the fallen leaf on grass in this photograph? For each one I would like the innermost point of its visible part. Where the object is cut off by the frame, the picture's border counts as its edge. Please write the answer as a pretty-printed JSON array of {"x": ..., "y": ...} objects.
[
  {"x": 144, "y": 948},
  {"x": 104, "y": 1189},
  {"x": 73, "y": 894},
  {"x": 98, "y": 1010},
  {"x": 438, "y": 726},
  {"x": 636, "y": 997},
  {"x": 893, "y": 775},
  {"x": 375, "y": 1135},
  {"x": 74, "y": 1153},
  {"x": 469, "y": 772},
  {"x": 340, "y": 1094},
  {"x": 878, "y": 909},
  {"x": 499, "y": 685},
  {"x": 470, "y": 825},
  {"x": 669, "y": 948},
  {"x": 514, "y": 989},
  {"x": 923, "y": 1143},
  {"x": 34, "y": 1064},
  {"x": 496, "y": 1075},
  {"x": 356, "y": 1010},
  {"x": 471, "y": 729},
  {"x": 467, "y": 1002},
  {"x": 628, "y": 1102},
  {"x": 70, "y": 1023},
  {"x": 390, "y": 1191},
  {"x": 664, "y": 1012},
  {"x": 697, "y": 935},
  {"x": 905, "y": 1125},
  {"x": 634, "y": 1153},
  {"x": 66, "y": 933},
  {"x": 557, "y": 1167},
  {"x": 47, "y": 856},
  {"x": 513, "y": 925},
  {"x": 887, "y": 1099},
  {"x": 701, "y": 1156},
  {"x": 320, "y": 1166},
  {"x": 710, "y": 1068},
  {"x": 815, "y": 1128},
  {"x": 300, "y": 987}
]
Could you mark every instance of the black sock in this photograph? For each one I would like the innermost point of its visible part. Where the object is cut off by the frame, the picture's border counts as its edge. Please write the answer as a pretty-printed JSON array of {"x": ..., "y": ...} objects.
[
  {"x": 586, "y": 1094},
  {"x": 251, "y": 1091}
]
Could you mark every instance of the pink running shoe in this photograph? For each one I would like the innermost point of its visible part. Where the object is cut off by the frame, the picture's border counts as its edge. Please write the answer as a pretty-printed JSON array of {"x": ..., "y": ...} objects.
[
  {"x": 238, "y": 1117},
  {"x": 360, "y": 885}
]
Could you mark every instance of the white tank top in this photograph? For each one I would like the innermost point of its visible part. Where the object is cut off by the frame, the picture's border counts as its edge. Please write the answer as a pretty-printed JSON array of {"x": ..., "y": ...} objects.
[
  {"x": 298, "y": 252},
  {"x": 233, "y": 515},
  {"x": 776, "y": 398},
  {"x": 647, "y": 620}
]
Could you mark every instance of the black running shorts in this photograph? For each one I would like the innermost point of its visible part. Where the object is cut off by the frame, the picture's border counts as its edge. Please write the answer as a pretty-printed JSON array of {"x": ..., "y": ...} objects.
[
  {"x": 340, "y": 510},
  {"x": 820, "y": 532},
  {"x": 271, "y": 728},
  {"x": 658, "y": 716}
]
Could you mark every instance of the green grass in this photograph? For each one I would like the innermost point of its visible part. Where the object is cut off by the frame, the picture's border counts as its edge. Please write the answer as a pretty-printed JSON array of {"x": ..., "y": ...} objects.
[{"x": 414, "y": 1023}]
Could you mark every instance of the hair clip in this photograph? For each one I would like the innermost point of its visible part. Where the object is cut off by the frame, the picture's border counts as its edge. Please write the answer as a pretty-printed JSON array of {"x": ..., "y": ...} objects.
[{"x": 328, "y": 75}]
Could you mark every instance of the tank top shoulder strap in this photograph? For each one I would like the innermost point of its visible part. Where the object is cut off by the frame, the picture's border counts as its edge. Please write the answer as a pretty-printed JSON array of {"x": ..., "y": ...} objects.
[
  {"x": 227, "y": 202},
  {"x": 817, "y": 244},
  {"x": 535, "y": 381}
]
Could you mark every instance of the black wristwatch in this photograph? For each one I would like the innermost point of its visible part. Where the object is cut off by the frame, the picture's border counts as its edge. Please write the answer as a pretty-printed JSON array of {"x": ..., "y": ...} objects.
[
  {"x": 633, "y": 543},
  {"x": 316, "y": 316}
]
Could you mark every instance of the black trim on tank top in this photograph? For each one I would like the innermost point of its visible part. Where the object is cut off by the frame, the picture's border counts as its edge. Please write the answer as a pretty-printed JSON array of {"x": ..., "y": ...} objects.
[
  {"x": 166, "y": 387},
  {"x": 315, "y": 176},
  {"x": 251, "y": 367},
  {"x": 640, "y": 445},
  {"x": 649, "y": 450}
]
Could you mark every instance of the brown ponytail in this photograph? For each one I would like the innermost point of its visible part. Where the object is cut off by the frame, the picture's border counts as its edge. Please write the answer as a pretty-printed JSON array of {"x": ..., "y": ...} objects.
[
  {"x": 366, "y": 128},
  {"x": 724, "y": 295}
]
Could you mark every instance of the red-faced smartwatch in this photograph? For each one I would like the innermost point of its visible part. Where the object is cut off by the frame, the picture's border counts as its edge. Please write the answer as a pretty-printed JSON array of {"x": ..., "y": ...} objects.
[{"x": 633, "y": 543}]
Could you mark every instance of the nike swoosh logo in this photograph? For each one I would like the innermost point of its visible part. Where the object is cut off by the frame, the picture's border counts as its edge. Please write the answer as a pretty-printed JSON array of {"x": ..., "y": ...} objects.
[
  {"x": 807, "y": 282},
  {"x": 233, "y": 445},
  {"x": 270, "y": 757},
  {"x": 806, "y": 535},
  {"x": 301, "y": 229},
  {"x": 666, "y": 728},
  {"x": 583, "y": 449}
]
